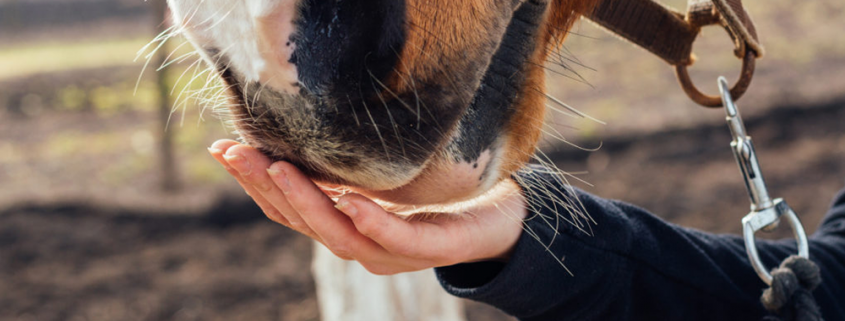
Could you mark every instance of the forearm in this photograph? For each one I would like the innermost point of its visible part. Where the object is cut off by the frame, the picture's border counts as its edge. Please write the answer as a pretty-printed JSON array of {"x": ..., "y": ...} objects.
[{"x": 633, "y": 267}]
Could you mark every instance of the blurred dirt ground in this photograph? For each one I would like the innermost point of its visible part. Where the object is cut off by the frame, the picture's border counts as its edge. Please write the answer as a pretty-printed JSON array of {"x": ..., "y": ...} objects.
[{"x": 86, "y": 233}]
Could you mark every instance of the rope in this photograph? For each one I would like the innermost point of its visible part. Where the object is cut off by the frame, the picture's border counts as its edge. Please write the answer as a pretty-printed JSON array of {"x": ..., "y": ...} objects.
[{"x": 790, "y": 297}]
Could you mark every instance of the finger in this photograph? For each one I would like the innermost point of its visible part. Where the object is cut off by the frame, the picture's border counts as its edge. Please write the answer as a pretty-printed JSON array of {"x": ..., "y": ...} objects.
[
  {"x": 319, "y": 212},
  {"x": 394, "y": 267},
  {"x": 421, "y": 240},
  {"x": 218, "y": 150},
  {"x": 250, "y": 164},
  {"x": 253, "y": 167},
  {"x": 388, "y": 230},
  {"x": 269, "y": 210}
]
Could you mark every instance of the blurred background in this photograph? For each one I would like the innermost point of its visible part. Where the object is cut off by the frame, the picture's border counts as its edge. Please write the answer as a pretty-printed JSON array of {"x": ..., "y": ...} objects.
[{"x": 111, "y": 209}]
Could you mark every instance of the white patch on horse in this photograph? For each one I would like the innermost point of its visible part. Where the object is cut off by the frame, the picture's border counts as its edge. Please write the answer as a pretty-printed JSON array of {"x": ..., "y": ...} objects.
[{"x": 253, "y": 34}]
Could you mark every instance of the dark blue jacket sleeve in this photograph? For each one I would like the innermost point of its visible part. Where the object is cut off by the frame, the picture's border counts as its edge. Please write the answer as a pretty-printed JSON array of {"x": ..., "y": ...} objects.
[{"x": 632, "y": 265}]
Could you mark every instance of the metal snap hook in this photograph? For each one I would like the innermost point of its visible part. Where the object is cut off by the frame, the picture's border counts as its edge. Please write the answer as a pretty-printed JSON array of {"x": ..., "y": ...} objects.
[
  {"x": 756, "y": 221},
  {"x": 765, "y": 213}
]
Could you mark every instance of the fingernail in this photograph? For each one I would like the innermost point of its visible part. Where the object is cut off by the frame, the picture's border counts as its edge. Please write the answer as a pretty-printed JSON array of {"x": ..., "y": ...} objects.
[
  {"x": 214, "y": 151},
  {"x": 280, "y": 178},
  {"x": 346, "y": 207},
  {"x": 239, "y": 163}
]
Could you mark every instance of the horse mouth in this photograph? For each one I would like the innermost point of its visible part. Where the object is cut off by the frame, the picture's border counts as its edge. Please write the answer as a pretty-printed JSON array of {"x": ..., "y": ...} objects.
[{"x": 362, "y": 105}]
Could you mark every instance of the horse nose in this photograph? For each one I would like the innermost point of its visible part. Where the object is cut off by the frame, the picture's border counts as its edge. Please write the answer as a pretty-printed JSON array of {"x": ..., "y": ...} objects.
[{"x": 347, "y": 48}]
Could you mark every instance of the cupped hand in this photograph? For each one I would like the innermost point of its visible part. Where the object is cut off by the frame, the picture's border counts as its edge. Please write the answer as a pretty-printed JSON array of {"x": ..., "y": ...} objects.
[{"x": 356, "y": 228}]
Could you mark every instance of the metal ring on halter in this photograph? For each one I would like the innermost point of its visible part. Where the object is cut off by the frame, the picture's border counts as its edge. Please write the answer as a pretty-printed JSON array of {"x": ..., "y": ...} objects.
[
  {"x": 748, "y": 64},
  {"x": 756, "y": 221}
]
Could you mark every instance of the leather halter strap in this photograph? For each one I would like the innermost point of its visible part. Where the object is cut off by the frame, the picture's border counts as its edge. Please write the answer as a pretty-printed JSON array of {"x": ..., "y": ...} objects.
[{"x": 669, "y": 34}]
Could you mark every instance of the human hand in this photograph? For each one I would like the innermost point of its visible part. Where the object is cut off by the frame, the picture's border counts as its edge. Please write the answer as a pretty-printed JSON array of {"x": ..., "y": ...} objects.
[{"x": 356, "y": 228}]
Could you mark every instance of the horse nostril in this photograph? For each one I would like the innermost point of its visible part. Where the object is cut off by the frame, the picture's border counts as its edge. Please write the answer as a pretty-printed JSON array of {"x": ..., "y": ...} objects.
[{"x": 343, "y": 48}]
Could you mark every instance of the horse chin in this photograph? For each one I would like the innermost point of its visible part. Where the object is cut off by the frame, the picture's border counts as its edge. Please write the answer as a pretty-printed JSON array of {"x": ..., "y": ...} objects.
[
  {"x": 501, "y": 189},
  {"x": 443, "y": 185}
]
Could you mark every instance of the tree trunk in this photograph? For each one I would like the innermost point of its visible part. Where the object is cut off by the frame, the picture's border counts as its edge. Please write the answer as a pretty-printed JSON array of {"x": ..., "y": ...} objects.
[
  {"x": 167, "y": 160},
  {"x": 348, "y": 292}
]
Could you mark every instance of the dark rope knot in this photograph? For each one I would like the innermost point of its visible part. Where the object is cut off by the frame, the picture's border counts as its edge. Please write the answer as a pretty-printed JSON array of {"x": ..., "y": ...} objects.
[{"x": 791, "y": 293}]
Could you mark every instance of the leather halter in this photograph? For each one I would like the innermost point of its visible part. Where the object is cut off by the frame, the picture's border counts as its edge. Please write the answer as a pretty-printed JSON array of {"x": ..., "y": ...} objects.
[{"x": 669, "y": 34}]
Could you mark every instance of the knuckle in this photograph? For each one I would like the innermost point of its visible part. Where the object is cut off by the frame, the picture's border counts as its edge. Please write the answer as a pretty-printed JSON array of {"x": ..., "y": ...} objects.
[
  {"x": 369, "y": 227},
  {"x": 248, "y": 177},
  {"x": 273, "y": 214},
  {"x": 256, "y": 180},
  {"x": 232, "y": 171},
  {"x": 253, "y": 177}
]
